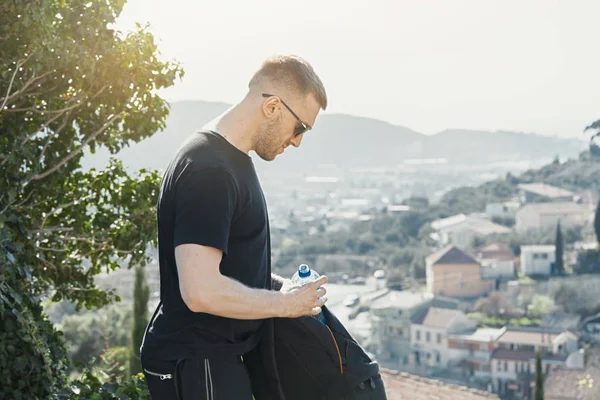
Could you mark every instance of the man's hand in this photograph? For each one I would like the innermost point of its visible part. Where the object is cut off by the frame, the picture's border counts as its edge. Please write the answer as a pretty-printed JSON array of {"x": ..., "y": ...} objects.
[{"x": 304, "y": 300}]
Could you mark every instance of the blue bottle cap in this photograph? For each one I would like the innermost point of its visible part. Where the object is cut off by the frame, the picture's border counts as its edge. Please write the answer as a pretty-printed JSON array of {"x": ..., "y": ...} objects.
[{"x": 303, "y": 271}]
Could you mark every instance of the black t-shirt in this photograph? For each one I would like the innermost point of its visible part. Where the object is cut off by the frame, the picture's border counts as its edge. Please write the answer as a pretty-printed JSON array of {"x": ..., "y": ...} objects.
[{"x": 210, "y": 195}]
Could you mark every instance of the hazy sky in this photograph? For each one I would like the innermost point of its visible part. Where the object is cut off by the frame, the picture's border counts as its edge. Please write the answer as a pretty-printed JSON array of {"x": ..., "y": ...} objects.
[{"x": 524, "y": 65}]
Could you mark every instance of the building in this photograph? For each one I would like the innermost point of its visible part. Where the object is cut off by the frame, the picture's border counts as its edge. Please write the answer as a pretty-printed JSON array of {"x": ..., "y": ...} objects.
[
  {"x": 497, "y": 261},
  {"x": 429, "y": 335},
  {"x": 461, "y": 230},
  {"x": 391, "y": 316},
  {"x": 513, "y": 360},
  {"x": 514, "y": 370},
  {"x": 542, "y": 216},
  {"x": 403, "y": 386},
  {"x": 452, "y": 272},
  {"x": 505, "y": 210},
  {"x": 538, "y": 192},
  {"x": 538, "y": 260},
  {"x": 474, "y": 352}
]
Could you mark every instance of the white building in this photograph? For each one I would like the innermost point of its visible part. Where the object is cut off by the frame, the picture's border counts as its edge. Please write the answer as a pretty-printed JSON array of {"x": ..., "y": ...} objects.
[
  {"x": 474, "y": 350},
  {"x": 513, "y": 361},
  {"x": 534, "y": 192},
  {"x": 542, "y": 216},
  {"x": 538, "y": 260},
  {"x": 461, "y": 230},
  {"x": 429, "y": 335},
  {"x": 390, "y": 316},
  {"x": 497, "y": 261},
  {"x": 507, "y": 209}
]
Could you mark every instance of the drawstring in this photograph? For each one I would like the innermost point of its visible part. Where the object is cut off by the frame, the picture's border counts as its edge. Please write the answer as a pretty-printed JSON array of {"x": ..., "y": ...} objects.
[{"x": 208, "y": 379}]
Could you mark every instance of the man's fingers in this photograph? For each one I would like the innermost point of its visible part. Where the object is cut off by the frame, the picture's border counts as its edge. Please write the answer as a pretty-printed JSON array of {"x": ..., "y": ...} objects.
[
  {"x": 321, "y": 292},
  {"x": 320, "y": 282},
  {"x": 321, "y": 301},
  {"x": 316, "y": 311}
]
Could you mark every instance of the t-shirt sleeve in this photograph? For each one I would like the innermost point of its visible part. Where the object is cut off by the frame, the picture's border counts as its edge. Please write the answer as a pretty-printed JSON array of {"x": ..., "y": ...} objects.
[{"x": 205, "y": 201}]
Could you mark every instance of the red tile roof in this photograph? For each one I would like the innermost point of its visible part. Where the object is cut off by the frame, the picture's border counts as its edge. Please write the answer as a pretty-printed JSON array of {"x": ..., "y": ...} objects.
[
  {"x": 403, "y": 386},
  {"x": 451, "y": 255}
]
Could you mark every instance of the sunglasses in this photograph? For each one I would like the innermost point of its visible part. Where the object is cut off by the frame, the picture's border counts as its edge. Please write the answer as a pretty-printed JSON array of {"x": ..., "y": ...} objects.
[{"x": 301, "y": 127}]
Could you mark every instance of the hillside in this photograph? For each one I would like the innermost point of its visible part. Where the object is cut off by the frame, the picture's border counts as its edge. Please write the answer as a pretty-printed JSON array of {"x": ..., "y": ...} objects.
[
  {"x": 350, "y": 141},
  {"x": 578, "y": 175}
]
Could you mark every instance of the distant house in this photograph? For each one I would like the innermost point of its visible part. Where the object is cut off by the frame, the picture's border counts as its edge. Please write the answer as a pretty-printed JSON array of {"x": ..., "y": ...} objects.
[
  {"x": 535, "y": 192},
  {"x": 391, "y": 316},
  {"x": 513, "y": 361},
  {"x": 429, "y": 335},
  {"x": 507, "y": 209},
  {"x": 461, "y": 230},
  {"x": 472, "y": 352},
  {"x": 497, "y": 261},
  {"x": 538, "y": 260},
  {"x": 452, "y": 272},
  {"x": 403, "y": 386},
  {"x": 541, "y": 216}
]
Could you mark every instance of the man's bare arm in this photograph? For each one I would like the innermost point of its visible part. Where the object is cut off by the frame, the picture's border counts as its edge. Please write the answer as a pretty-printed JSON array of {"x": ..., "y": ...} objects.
[{"x": 204, "y": 289}]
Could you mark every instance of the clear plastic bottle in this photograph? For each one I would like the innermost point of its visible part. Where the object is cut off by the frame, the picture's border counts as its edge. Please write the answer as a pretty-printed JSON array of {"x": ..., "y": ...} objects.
[{"x": 303, "y": 276}]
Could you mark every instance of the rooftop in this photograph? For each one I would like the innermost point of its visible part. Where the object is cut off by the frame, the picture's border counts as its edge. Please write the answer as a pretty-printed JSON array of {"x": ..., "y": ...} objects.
[
  {"x": 480, "y": 335},
  {"x": 402, "y": 386},
  {"x": 495, "y": 251},
  {"x": 451, "y": 255},
  {"x": 400, "y": 299},
  {"x": 554, "y": 208},
  {"x": 448, "y": 222},
  {"x": 523, "y": 355},
  {"x": 529, "y": 337},
  {"x": 539, "y": 247},
  {"x": 437, "y": 317},
  {"x": 542, "y": 189}
]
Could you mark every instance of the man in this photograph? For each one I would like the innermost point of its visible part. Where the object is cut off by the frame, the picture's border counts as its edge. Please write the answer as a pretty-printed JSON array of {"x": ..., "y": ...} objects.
[{"x": 214, "y": 245}]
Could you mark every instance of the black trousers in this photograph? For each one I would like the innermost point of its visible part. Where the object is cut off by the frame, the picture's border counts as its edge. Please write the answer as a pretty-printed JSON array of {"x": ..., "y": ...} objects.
[{"x": 217, "y": 378}]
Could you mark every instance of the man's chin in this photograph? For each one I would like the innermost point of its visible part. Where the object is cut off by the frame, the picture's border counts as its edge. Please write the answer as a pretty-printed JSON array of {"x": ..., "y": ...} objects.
[{"x": 268, "y": 157}]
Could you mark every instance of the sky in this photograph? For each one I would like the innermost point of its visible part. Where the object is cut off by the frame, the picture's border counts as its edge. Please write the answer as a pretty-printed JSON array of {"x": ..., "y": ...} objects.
[{"x": 429, "y": 65}]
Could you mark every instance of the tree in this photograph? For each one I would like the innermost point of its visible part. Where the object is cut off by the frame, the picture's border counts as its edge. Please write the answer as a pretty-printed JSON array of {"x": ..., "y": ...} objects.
[
  {"x": 597, "y": 222},
  {"x": 539, "y": 378},
  {"x": 594, "y": 147},
  {"x": 559, "y": 251},
  {"x": 69, "y": 83},
  {"x": 141, "y": 295}
]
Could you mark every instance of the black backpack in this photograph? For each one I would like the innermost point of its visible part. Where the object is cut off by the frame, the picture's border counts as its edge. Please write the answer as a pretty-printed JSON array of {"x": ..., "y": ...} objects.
[{"x": 323, "y": 362}]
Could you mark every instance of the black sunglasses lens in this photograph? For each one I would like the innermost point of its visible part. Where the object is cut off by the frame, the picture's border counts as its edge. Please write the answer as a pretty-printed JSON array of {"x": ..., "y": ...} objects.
[{"x": 300, "y": 129}]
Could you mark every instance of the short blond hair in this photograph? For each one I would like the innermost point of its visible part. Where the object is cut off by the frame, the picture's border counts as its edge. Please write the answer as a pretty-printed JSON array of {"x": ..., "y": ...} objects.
[{"x": 293, "y": 72}]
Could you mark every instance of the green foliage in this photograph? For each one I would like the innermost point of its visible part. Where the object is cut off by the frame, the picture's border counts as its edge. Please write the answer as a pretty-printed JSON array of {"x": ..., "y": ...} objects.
[
  {"x": 597, "y": 222},
  {"x": 588, "y": 262},
  {"x": 594, "y": 148},
  {"x": 141, "y": 295},
  {"x": 474, "y": 199},
  {"x": 539, "y": 378},
  {"x": 559, "y": 250},
  {"x": 68, "y": 83},
  {"x": 89, "y": 335},
  {"x": 29, "y": 344},
  {"x": 91, "y": 387}
]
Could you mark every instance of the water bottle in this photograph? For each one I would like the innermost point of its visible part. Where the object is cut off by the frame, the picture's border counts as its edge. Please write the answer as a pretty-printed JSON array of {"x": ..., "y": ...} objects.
[{"x": 303, "y": 276}]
